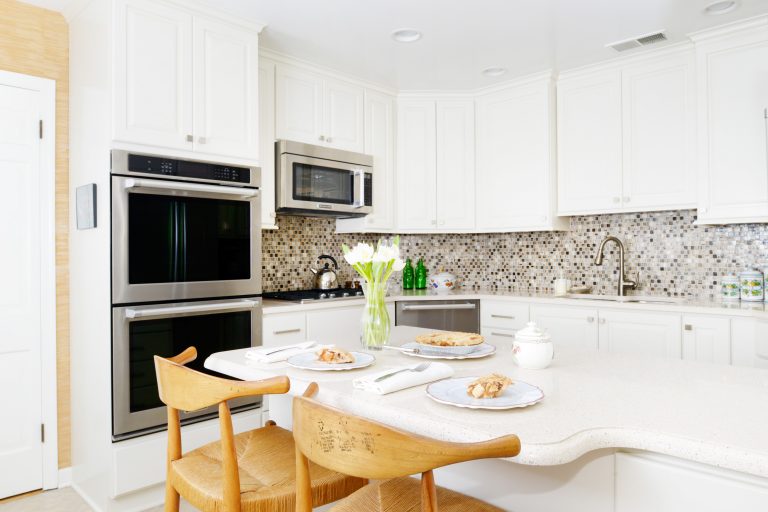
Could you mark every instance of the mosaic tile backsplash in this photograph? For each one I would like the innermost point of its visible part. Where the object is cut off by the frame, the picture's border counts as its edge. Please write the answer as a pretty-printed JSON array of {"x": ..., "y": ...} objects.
[{"x": 674, "y": 257}]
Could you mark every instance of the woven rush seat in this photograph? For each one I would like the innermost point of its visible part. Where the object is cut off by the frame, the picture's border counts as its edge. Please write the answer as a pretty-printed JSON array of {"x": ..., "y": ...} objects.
[
  {"x": 404, "y": 495},
  {"x": 267, "y": 466}
]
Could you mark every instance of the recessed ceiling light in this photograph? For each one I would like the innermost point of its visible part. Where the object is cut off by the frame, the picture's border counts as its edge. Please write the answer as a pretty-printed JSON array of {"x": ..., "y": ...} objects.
[
  {"x": 494, "y": 71},
  {"x": 721, "y": 7},
  {"x": 406, "y": 35}
]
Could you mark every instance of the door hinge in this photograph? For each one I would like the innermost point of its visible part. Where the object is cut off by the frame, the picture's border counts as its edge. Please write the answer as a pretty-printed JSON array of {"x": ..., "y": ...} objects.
[
  {"x": 42, "y": 432},
  {"x": 41, "y": 129}
]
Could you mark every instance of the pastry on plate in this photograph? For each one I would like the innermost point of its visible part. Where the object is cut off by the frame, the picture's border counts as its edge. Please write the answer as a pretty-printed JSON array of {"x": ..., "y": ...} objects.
[
  {"x": 335, "y": 356},
  {"x": 489, "y": 386},
  {"x": 450, "y": 339}
]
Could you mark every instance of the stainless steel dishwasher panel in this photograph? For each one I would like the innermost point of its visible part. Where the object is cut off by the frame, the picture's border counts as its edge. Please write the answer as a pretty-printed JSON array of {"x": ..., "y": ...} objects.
[{"x": 444, "y": 315}]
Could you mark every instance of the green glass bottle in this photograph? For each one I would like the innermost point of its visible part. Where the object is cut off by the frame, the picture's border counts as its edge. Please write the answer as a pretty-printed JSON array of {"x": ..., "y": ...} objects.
[
  {"x": 408, "y": 275},
  {"x": 421, "y": 275}
]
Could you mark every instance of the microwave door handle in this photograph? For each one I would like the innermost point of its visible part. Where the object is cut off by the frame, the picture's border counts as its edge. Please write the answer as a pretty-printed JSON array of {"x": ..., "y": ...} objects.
[
  {"x": 190, "y": 187},
  {"x": 359, "y": 188},
  {"x": 132, "y": 313}
]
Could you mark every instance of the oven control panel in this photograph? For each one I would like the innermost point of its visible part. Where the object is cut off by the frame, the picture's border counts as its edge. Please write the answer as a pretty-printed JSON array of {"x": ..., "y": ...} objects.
[{"x": 188, "y": 169}]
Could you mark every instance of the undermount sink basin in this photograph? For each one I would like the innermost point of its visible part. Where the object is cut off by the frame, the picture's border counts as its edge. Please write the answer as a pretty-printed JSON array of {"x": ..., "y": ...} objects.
[{"x": 639, "y": 299}]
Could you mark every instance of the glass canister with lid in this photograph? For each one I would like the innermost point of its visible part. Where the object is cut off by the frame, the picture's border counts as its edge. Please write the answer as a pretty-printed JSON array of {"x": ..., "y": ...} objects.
[
  {"x": 730, "y": 288},
  {"x": 751, "y": 284}
]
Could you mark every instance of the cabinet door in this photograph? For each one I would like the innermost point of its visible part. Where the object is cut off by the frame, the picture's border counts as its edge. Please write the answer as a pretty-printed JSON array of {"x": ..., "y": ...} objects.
[
  {"x": 455, "y": 139},
  {"x": 733, "y": 79},
  {"x": 267, "y": 141},
  {"x": 416, "y": 168},
  {"x": 380, "y": 142},
  {"x": 339, "y": 326},
  {"x": 284, "y": 329},
  {"x": 642, "y": 333},
  {"x": 659, "y": 134},
  {"x": 515, "y": 181},
  {"x": 568, "y": 326},
  {"x": 226, "y": 90},
  {"x": 589, "y": 144},
  {"x": 153, "y": 75},
  {"x": 298, "y": 110},
  {"x": 344, "y": 115},
  {"x": 707, "y": 338}
]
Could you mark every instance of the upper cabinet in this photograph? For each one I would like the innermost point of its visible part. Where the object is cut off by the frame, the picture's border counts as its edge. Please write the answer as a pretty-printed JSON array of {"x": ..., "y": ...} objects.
[
  {"x": 626, "y": 135},
  {"x": 318, "y": 109},
  {"x": 184, "y": 82},
  {"x": 267, "y": 141},
  {"x": 732, "y": 66},
  {"x": 515, "y": 158}
]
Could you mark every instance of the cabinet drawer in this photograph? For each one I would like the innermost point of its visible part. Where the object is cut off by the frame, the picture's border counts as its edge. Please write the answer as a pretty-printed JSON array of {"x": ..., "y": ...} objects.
[
  {"x": 504, "y": 315},
  {"x": 498, "y": 337},
  {"x": 284, "y": 329}
]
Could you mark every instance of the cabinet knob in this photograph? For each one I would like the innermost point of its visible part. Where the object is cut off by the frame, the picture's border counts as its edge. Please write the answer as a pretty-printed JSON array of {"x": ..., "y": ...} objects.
[
  {"x": 321, "y": 138},
  {"x": 602, "y": 321},
  {"x": 626, "y": 199},
  {"x": 590, "y": 319},
  {"x": 201, "y": 140},
  {"x": 190, "y": 138},
  {"x": 328, "y": 139},
  {"x": 616, "y": 199},
  {"x": 688, "y": 327}
]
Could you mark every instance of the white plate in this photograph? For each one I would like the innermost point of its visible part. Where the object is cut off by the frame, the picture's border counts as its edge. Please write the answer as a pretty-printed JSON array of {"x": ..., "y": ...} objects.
[
  {"x": 454, "y": 392},
  {"x": 482, "y": 350},
  {"x": 308, "y": 361}
]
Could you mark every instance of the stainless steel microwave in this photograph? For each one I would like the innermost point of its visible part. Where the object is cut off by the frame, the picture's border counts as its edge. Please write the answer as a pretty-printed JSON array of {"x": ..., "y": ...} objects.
[{"x": 320, "y": 181}]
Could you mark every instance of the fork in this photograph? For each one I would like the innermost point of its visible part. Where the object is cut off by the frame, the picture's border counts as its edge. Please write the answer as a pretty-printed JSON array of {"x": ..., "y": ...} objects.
[{"x": 420, "y": 368}]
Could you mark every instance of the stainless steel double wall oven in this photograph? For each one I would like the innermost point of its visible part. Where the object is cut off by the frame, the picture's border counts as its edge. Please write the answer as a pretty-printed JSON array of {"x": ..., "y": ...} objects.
[{"x": 186, "y": 271}]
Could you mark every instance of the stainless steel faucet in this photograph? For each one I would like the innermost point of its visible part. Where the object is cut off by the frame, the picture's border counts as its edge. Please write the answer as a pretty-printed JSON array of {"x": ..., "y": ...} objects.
[{"x": 624, "y": 283}]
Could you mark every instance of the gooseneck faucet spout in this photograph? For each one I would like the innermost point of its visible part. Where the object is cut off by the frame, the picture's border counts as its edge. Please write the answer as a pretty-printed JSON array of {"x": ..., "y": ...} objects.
[{"x": 623, "y": 283}]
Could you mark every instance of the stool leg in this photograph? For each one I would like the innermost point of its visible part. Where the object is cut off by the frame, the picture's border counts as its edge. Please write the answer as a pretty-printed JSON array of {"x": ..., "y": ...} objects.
[
  {"x": 171, "y": 498},
  {"x": 428, "y": 492}
]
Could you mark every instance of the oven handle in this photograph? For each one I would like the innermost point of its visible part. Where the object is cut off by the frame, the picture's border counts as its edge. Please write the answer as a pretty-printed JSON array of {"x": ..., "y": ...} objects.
[
  {"x": 359, "y": 188},
  {"x": 190, "y": 187},
  {"x": 437, "y": 307},
  {"x": 196, "y": 308}
]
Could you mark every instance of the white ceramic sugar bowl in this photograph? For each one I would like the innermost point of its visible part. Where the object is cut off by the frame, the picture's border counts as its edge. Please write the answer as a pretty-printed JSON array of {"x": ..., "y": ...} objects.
[{"x": 532, "y": 348}]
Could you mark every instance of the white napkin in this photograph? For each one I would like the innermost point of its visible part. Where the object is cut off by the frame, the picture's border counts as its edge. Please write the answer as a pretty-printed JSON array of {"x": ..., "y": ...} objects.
[
  {"x": 268, "y": 354},
  {"x": 402, "y": 380}
]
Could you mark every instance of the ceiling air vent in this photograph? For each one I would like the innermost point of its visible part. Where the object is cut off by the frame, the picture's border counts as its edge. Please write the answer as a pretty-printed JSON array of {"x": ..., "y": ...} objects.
[{"x": 637, "y": 42}]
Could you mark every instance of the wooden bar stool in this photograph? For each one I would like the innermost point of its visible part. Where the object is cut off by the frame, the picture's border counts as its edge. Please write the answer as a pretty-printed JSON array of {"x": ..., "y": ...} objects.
[
  {"x": 250, "y": 472},
  {"x": 366, "y": 449}
]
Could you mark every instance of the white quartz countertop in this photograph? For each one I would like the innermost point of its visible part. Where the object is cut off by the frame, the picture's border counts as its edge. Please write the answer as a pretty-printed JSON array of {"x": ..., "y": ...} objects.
[
  {"x": 646, "y": 303},
  {"x": 707, "y": 413}
]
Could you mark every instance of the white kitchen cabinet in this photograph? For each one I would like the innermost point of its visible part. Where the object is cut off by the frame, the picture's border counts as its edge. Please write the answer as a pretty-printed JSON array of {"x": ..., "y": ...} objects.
[
  {"x": 732, "y": 69},
  {"x": 640, "y": 332},
  {"x": 707, "y": 339},
  {"x": 589, "y": 143},
  {"x": 416, "y": 165},
  {"x": 568, "y": 326},
  {"x": 380, "y": 143},
  {"x": 749, "y": 342},
  {"x": 646, "y": 482},
  {"x": 516, "y": 182},
  {"x": 342, "y": 324},
  {"x": 501, "y": 314},
  {"x": 455, "y": 163},
  {"x": 185, "y": 81},
  {"x": 497, "y": 336},
  {"x": 267, "y": 142},
  {"x": 284, "y": 329},
  {"x": 318, "y": 109}
]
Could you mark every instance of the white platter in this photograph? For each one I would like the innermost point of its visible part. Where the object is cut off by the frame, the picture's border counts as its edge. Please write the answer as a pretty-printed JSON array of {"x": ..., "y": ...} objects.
[
  {"x": 308, "y": 361},
  {"x": 454, "y": 392},
  {"x": 482, "y": 350}
]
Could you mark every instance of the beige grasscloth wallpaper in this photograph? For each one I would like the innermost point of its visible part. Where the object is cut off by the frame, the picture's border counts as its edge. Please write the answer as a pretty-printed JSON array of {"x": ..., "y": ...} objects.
[{"x": 35, "y": 42}]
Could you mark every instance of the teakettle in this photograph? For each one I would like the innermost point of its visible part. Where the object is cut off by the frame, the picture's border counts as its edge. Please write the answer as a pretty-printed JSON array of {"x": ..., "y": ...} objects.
[{"x": 326, "y": 278}]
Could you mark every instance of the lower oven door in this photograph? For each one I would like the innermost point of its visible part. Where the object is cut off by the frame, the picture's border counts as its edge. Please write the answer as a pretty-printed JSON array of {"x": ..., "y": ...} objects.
[{"x": 140, "y": 332}]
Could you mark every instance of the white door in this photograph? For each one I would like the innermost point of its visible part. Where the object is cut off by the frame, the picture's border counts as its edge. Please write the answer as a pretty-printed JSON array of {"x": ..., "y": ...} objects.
[
  {"x": 267, "y": 141},
  {"x": 21, "y": 449},
  {"x": 153, "y": 75},
  {"x": 659, "y": 134},
  {"x": 707, "y": 338},
  {"x": 641, "y": 333},
  {"x": 568, "y": 326},
  {"x": 226, "y": 90},
  {"x": 455, "y": 164},
  {"x": 589, "y": 143},
  {"x": 344, "y": 115},
  {"x": 416, "y": 167},
  {"x": 299, "y": 108}
]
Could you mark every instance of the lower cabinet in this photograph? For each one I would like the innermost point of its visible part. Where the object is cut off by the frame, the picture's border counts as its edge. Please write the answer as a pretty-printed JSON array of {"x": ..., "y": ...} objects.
[
  {"x": 284, "y": 329},
  {"x": 647, "y": 482},
  {"x": 707, "y": 339},
  {"x": 640, "y": 333},
  {"x": 568, "y": 326}
]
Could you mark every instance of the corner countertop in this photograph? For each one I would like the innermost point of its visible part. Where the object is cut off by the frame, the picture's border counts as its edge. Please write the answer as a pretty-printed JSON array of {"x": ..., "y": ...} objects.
[
  {"x": 701, "y": 412},
  {"x": 691, "y": 306}
]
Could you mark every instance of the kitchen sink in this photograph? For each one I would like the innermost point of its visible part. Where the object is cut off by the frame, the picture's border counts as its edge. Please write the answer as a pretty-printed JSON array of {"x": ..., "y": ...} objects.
[{"x": 638, "y": 299}]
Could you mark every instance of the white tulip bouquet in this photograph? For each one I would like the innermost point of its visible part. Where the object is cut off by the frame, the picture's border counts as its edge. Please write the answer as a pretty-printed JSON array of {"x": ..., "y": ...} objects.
[{"x": 376, "y": 266}]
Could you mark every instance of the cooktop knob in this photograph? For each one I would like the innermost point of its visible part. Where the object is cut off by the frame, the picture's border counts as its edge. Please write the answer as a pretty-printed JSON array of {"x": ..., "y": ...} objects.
[
  {"x": 345, "y": 294},
  {"x": 323, "y": 295}
]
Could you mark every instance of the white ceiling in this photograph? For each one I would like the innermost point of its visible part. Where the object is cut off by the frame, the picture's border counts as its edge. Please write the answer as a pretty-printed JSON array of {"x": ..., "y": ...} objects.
[{"x": 462, "y": 37}]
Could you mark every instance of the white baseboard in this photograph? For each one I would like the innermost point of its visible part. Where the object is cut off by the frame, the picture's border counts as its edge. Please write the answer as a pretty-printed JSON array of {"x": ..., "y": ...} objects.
[{"x": 65, "y": 477}]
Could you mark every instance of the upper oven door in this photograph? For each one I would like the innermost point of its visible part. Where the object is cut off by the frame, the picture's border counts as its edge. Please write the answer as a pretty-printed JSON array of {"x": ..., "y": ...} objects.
[
  {"x": 307, "y": 183},
  {"x": 176, "y": 240}
]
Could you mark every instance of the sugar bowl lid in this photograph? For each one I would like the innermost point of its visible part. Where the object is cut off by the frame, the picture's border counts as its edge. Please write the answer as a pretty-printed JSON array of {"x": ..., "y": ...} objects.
[{"x": 532, "y": 333}]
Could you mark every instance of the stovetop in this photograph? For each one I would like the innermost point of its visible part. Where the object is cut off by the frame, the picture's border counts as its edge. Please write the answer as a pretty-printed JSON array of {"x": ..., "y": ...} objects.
[{"x": 306, "y": 296}]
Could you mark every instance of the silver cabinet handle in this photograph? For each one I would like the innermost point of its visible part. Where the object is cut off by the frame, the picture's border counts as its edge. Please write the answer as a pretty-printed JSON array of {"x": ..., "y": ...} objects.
[
  {"x": 190, "y": 187},
  {"x": 688, "y": 327},
  {"x": 502, "y": 334},
  {"x": 201, "y": 140},
  {"x": 508, "y": 317},
  {"x": 321, "y": 138},
  {"x": 590, "y": 319},
  {"x": 437, "y": 307},
  {"x": 190, "y": 138},
  {"x": 286, "y": 331},
  {"x": 328, "y": 139},
  {"x": 196, "y": 308},
  {"x": 602, "y": 321}
]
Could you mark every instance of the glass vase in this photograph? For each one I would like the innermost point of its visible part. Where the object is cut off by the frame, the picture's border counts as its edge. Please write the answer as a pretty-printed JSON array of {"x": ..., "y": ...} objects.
[{"x": 375, "y": 321}]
